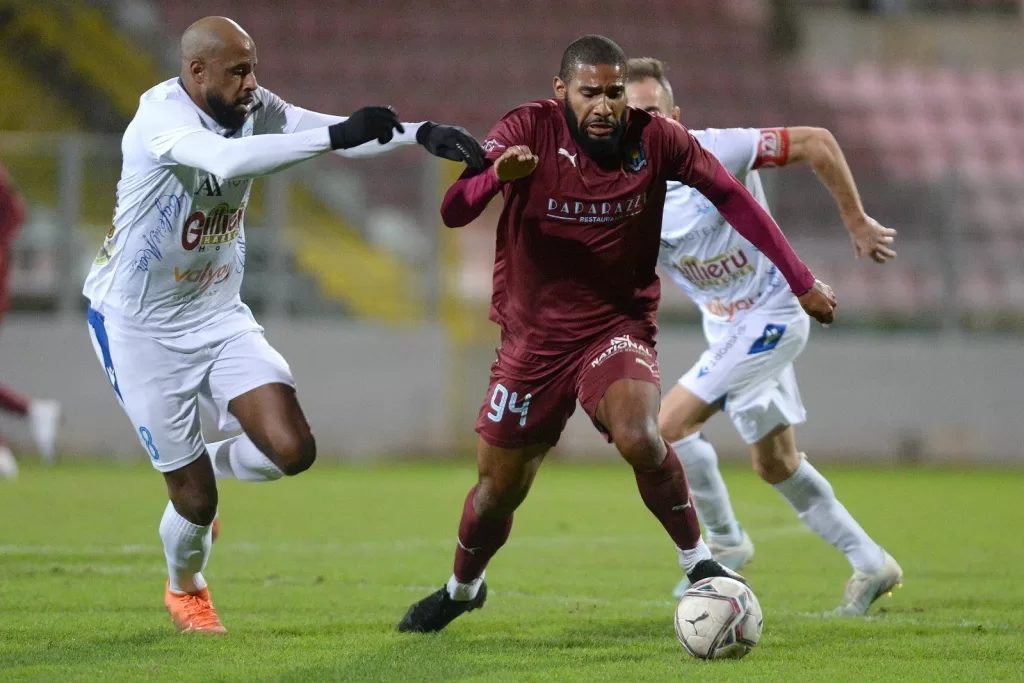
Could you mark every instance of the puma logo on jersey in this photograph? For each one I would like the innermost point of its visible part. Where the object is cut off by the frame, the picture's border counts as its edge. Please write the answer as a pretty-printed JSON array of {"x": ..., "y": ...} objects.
[
  {"x": 571, "y": 157},
  {"x": 641, "y": 361}
]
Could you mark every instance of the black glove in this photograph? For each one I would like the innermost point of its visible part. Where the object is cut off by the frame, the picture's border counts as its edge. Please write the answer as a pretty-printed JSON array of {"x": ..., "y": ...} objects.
[
  {"x": 451, "y": 142},
  {"x": 365, "y": 125}
]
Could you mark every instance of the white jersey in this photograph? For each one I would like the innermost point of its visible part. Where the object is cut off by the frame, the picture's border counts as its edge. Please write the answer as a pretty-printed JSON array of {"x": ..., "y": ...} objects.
[
  {"x": 175, "y": 254},
  {"x": 718, "y": 268}
]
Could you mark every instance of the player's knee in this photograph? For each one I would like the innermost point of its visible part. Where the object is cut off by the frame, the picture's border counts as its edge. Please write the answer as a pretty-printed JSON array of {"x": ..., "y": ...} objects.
[
  {"x": 640, "y": 443},
  {"x": 197, "y": 505},
  {"x": 295, "y": 451},
  {"x": 493, "y": 499}
]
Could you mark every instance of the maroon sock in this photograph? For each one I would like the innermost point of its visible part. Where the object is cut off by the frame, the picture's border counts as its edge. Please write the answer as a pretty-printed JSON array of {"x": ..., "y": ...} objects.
[
  {"x": 13, "y": 402},
  {"x": 667, "y": 495},
  {"x": 479, "y": 539}
]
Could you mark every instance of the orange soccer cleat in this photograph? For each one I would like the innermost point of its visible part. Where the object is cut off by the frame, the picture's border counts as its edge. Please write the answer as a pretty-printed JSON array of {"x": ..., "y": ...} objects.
[{"x": 193, "y": 612}]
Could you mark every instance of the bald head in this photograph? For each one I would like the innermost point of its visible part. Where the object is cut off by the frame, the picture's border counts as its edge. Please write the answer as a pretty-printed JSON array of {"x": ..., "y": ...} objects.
[
  {"x": 218, "y": 62},
  {"x": 211, "y": 37}
]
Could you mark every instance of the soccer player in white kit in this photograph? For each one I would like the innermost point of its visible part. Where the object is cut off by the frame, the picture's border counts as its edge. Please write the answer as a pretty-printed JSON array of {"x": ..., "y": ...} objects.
[
  {"x": 165, "y": 315},
  {"x": 755, "y": 330}
]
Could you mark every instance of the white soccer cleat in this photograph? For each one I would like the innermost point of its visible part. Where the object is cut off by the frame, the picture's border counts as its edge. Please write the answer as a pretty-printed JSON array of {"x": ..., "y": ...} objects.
[
  {"x": 734, "y": 557},
  {"x": 863, "y": 589},
  {"x": 8, "y": 465},
  {"x": 44, "y": 421}
]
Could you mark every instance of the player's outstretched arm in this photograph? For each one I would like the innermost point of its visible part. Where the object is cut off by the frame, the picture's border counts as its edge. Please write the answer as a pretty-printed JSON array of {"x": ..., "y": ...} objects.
[
  {"x": 469, "y": 195},
  {"x": 819, "y": 148},
  {"x": 448, "y": 142},
  {"x": 258, "y": 155}
]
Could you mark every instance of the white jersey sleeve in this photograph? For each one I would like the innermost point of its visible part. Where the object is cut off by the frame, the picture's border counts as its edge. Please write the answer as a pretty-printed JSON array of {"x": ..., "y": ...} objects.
[
  {"x": 281, "y": 117},
  {"x": 172, "y": 132},
  {"x": 736, "y": 148}
]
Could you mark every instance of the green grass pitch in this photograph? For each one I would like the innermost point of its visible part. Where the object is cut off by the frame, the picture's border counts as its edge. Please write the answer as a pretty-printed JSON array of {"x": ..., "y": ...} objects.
[{"x": 311, "y": 575}]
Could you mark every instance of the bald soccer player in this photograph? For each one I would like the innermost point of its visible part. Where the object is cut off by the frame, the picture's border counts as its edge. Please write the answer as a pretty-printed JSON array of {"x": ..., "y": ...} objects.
[{"x": 165, "y": 314}]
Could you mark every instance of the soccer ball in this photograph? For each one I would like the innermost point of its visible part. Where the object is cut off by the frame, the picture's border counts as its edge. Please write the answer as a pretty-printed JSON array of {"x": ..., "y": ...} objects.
[{"x": 719, "y": 618}]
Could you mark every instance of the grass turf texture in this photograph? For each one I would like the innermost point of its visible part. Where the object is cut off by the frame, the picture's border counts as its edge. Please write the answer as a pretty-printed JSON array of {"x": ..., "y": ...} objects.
[{"x": 311, "y": 576}]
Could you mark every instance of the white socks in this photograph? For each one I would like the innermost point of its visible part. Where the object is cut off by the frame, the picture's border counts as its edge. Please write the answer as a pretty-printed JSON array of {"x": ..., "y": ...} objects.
[
  {"x": 710, "y": 496},
  {"x": 239, "y": 458},
  {"x": 688, "y": 559},
  {"x": 464, "y": 592},
  {"x": 812, "y": 497},
  {"x": 187, "y": 548}
]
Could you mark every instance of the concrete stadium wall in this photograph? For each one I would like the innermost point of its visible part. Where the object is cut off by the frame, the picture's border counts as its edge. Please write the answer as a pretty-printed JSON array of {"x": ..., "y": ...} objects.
[{"x": 376, "y": 392}]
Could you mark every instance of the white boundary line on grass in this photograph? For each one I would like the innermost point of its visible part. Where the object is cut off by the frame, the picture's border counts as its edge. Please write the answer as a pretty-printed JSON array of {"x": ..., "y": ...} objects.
[{"x": 369, "y": 547}]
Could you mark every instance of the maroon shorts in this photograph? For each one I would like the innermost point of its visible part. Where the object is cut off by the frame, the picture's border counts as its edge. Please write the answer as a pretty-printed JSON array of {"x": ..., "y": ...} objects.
[{"x": 532, "y": 397}]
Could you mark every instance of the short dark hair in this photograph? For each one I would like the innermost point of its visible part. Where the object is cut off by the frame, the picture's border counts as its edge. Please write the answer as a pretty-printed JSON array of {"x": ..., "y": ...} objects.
[
  {"x": 591, "y": 50},
  {"x": 641, "y": 68}
]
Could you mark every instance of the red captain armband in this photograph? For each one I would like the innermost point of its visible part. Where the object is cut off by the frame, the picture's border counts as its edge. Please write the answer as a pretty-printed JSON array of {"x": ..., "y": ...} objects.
[{"x": 772, "y": 148}]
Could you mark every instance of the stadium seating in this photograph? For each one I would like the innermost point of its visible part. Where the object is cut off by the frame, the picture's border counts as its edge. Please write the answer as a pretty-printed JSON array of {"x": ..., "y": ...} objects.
[{"x": 904, "y": 129}]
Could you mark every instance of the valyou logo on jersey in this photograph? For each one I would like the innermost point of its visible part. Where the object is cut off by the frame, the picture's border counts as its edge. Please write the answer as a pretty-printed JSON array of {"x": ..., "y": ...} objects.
[{"x": 205, "y": 277}]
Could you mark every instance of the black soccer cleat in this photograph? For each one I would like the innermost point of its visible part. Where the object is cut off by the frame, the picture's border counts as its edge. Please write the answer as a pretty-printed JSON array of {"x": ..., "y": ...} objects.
[
  {"x": 706, "y": 569},
  {"x": 437, "y": 610}
]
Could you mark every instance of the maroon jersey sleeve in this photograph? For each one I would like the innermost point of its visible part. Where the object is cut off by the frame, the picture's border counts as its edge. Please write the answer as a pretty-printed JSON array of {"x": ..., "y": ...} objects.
[
  {"x": 470, "y": 194},
  {"x": 12, "y": 207},
  {"x": 693, "y": 165}
]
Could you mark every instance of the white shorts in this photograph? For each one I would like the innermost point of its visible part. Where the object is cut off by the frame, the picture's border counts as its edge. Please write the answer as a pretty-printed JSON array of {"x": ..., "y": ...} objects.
[
  {"x": 750, "y": 372},
  {"x": 161, "y": 382}
]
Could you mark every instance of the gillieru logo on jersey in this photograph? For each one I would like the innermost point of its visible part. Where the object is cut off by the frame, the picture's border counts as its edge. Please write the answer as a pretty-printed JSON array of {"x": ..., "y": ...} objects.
[
  {"x": 619, "y": 345},
  {"x": 596, "y": 212},
  {"x": 212, "y": 229},
  {"x": 718, "y": 270}
]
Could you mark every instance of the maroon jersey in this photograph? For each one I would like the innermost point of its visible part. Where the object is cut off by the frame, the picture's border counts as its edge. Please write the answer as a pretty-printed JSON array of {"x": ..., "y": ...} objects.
[
  {"x": 577, "y": 243},
  {"x": 12, "y": 215},
  {"x": 12, "y": 208}
]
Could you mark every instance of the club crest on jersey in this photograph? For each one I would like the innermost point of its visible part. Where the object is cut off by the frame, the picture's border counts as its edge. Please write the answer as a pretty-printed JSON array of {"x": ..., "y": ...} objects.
[
  {"x": 636, "y": 157},
  {"x": 491, "y": 145},
  {"x": 247, "y": 128}
]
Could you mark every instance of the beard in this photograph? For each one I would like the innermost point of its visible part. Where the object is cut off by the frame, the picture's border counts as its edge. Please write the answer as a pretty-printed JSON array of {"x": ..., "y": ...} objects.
[
  {"x": 605, "y": 150},
  {"x": 225, "y": 114}
]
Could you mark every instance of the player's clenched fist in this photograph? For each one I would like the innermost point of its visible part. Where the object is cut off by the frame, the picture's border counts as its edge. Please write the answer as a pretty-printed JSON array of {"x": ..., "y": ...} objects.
[
  {"x": 365, "y": 125},
  {"x": 517, "y": 162},
  {"x": 819, "y": 302}
]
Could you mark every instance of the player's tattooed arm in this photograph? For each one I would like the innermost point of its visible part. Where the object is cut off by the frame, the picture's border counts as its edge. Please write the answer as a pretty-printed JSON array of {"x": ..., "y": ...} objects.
[{"x": 819, "y": 148}]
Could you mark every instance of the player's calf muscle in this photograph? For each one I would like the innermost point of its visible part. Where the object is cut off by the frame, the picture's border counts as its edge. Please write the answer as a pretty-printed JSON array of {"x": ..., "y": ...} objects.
[{"x": 775, "y": 456}]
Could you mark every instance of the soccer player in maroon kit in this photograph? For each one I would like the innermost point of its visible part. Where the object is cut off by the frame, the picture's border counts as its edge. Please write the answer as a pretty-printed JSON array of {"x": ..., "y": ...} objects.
[
  {"x": 43, "y": 416},
  {"x": 576, "y": 295}
]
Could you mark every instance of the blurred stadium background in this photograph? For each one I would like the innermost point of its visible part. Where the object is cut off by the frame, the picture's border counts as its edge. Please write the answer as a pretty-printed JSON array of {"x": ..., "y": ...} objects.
[{"x": 382, "y": 313}]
